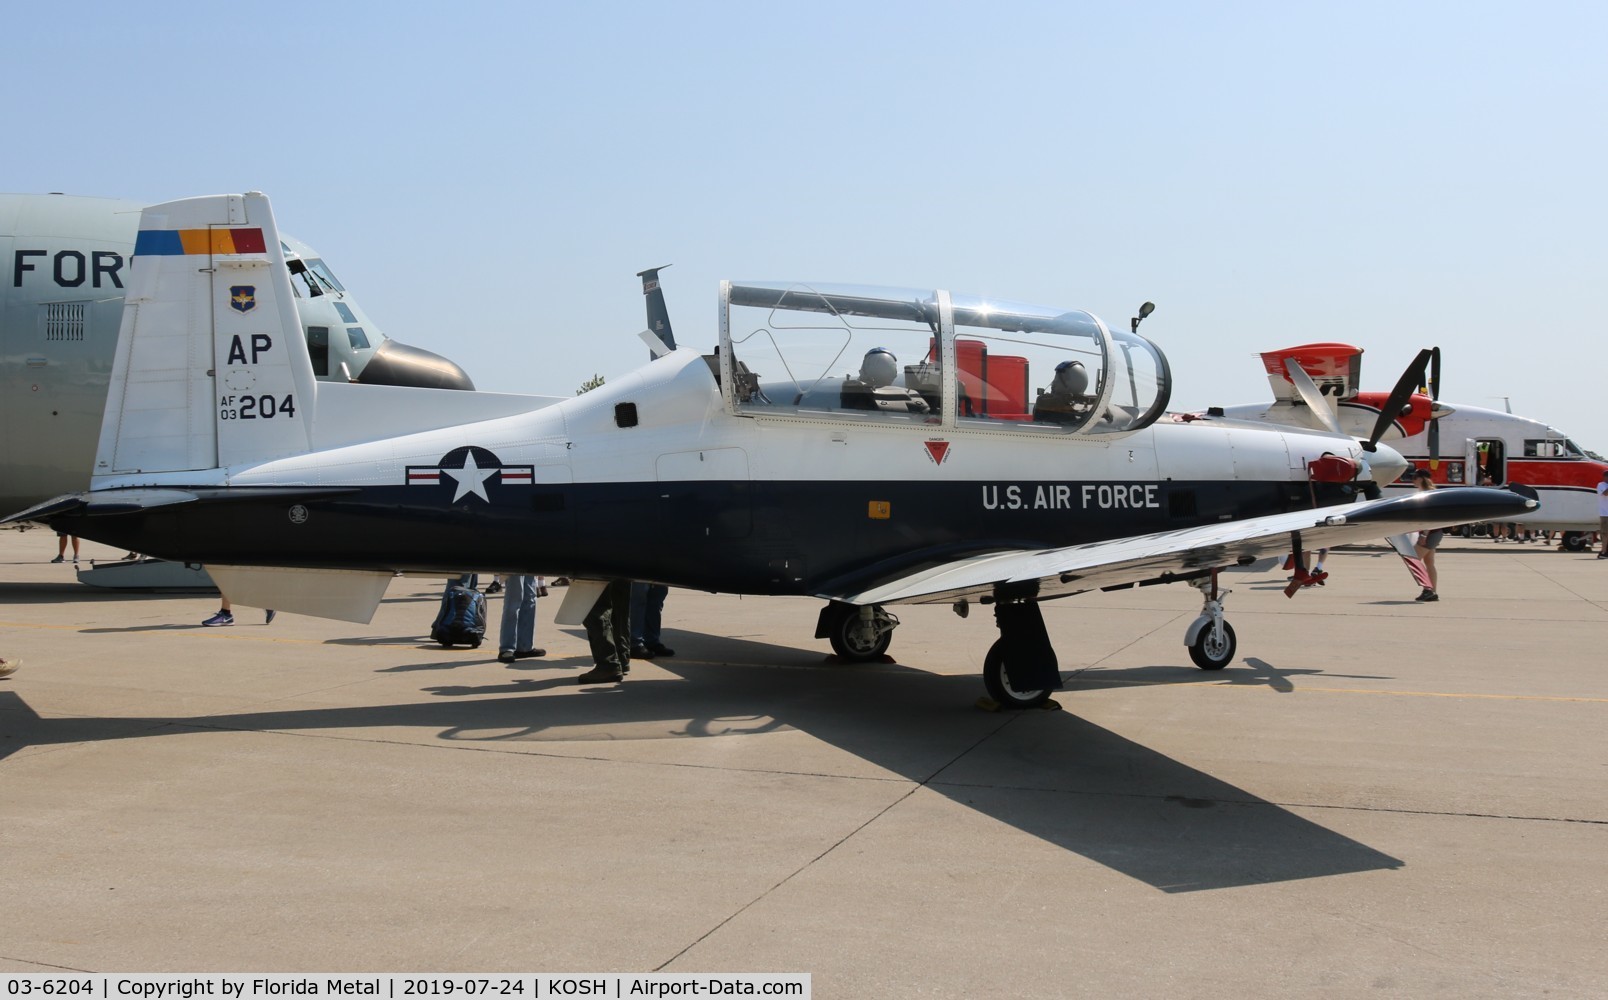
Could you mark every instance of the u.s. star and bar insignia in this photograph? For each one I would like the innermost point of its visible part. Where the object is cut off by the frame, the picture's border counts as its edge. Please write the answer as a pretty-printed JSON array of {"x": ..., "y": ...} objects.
[{"x": 470, "y": 468}]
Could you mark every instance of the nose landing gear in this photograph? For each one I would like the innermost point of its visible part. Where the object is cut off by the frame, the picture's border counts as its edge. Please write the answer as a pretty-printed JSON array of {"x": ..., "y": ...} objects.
[{"x": 1210, "y": 638}]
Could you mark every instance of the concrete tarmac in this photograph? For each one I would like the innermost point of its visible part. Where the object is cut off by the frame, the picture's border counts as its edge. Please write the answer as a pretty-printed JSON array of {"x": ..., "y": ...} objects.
[{"x": 1378, "y": 798}]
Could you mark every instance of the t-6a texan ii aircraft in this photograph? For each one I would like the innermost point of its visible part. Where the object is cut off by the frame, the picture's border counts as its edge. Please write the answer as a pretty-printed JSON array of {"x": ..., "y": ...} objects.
[
  {"x": 66, "y": 267},
  {"x": 864, "y": 446}
]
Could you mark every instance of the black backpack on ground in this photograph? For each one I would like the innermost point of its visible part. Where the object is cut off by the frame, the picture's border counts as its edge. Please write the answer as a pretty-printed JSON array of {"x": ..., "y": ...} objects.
[{"x": 462, "y": 618}]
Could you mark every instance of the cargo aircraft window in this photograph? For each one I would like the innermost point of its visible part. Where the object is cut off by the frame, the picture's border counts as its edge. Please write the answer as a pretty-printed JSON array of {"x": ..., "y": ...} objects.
[
  {"x": 313, "y": 274},
  {"x": 1551, "y": 448},
  {"x": 357, "y": 338},
  {"x": 318, "y": 347},
  {"x": 925, "y": 357}
]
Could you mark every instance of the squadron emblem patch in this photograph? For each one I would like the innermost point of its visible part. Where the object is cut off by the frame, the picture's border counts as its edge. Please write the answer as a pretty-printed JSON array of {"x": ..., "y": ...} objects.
[{"x": 243, "y": 298}]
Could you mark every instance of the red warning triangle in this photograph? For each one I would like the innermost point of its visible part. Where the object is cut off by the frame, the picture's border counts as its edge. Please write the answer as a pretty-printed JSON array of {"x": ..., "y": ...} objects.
[{"x": 938, "y": 451}]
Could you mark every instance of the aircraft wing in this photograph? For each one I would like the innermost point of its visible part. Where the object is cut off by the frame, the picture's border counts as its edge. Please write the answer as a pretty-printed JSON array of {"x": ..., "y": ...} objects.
[{"x": 1171, "y": 556}]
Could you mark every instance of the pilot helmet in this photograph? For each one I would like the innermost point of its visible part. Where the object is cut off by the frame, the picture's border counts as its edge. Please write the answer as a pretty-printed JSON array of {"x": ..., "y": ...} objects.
[
  {"x": 1072, "y": 378},
  {"x": 879, "y": 368}
]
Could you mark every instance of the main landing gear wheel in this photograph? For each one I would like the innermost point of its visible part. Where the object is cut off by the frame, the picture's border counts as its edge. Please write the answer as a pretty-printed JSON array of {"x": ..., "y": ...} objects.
[
  {"x": 1211, "y": 651},
  {"x": 999, "y": 686},
  {"x": 856, "y": 638},
  {"x": 1575, "y": 541}
]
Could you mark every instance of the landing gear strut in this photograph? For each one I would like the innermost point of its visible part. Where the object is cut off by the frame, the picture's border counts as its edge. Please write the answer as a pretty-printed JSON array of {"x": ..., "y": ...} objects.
[
  {"x": 1020, "y": 669},
  {"x": 859, "y": 634},
  {"x": 1210, "y": 639}
]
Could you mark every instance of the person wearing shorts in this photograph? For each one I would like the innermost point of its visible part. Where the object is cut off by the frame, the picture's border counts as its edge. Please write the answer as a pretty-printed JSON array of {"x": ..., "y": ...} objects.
[{"x": 1428, "y": 542}]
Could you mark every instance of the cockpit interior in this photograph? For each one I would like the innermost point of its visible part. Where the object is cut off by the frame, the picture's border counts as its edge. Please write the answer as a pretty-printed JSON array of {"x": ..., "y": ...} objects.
[{"x": 847, "y": 353}]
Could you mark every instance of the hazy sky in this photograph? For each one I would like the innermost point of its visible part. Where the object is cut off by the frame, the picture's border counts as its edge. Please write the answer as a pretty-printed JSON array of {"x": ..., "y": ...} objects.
[{"x": 487, "y": 178}]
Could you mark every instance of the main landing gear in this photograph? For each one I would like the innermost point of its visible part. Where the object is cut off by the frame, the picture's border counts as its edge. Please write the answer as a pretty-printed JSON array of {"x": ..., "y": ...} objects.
[
  {"x": 1210, "y": 639},
  {"x": 1020, "y": 670},
  {"x": 859, "y": 634}
]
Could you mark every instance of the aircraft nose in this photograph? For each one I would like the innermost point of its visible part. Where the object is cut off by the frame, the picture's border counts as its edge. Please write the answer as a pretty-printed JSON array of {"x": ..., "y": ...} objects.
[
  {"x": 1385, "y": 465},
  {"x": 399, "y": 364}
]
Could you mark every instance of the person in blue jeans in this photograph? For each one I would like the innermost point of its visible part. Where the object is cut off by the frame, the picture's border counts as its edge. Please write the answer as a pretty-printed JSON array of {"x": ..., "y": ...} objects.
[
  {"x": 515, "y": 642},
  {"x": 647, "y": 607}
]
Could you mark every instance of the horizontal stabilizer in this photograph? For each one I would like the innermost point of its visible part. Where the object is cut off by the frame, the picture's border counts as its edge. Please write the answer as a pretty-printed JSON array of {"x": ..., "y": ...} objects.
[
  {"x": 339, "y": 594},
  {"x": 133, "y": 500},
  {"x": 70, "y": 504},
  {"x": 579, "y": 597}
]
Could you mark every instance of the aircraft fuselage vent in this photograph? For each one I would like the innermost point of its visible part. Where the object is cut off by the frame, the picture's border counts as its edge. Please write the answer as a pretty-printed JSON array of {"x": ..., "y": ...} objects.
[
  {"x": 1181, "y": 503},
  {"x": 62, "y": 321}
]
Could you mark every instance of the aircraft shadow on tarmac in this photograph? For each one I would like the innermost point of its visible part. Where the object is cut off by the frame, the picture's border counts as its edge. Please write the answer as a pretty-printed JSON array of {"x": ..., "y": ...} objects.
[
  {"x": 73, "y": 592},
  {"x": 1052, "y": 775}
]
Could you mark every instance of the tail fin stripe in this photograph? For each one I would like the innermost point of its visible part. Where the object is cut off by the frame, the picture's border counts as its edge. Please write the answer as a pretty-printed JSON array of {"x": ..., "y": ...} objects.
[{"x": 176, "y": 242}]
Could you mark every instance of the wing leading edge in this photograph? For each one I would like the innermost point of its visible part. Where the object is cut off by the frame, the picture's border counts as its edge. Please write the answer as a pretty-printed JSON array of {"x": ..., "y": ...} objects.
[{"x": 1177, "y": 555}]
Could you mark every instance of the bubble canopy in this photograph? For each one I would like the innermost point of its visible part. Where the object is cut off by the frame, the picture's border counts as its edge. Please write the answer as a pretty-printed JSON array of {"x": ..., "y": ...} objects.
[{"x": 805, "y": 351}]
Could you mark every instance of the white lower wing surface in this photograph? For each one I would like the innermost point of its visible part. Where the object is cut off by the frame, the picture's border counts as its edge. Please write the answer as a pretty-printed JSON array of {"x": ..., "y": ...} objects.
[{"x": 1169, "y": 555}]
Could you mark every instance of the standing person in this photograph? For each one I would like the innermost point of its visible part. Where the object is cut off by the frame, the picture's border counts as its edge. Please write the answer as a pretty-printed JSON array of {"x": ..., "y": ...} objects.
[
  {"x": 519, "y": 619},
  {"x": 647, "y": 610},
  {"x": 225, "y": 616},
  {"x": 608, "y": 631},
  {"x": 1428, "y": 542},
  {"x": 1602, "y": 515},
  {"x": 61, "y": 547}
]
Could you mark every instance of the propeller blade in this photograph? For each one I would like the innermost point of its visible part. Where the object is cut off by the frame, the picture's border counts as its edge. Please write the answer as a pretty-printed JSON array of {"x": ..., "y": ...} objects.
[
  {"x": 1311, "y": 396},
  {"x": 1409, "y": 382},
  {"x": 1434, "y": 421}
]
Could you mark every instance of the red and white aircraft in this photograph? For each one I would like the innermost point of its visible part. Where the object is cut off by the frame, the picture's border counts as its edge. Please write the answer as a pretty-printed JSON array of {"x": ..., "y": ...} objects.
[{"x": 1456, "y": 442}]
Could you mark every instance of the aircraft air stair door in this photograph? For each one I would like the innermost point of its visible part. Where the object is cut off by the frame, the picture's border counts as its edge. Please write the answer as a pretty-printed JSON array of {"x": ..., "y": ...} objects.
[
  {"x": 1488, "y": 455},
  {"x": 705, "y": 494}
]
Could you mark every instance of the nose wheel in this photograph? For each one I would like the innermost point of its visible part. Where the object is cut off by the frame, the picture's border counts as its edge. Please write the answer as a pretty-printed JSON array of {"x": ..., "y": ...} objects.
[
  {"x": 1210, "y": 638},
  {"x": 1213, "y": 648}
]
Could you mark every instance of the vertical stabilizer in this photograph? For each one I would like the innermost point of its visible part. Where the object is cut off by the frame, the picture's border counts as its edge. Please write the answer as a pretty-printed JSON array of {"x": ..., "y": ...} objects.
[
  {"x": 658, "y": 314},
  {"x": 211, "y": 368}
]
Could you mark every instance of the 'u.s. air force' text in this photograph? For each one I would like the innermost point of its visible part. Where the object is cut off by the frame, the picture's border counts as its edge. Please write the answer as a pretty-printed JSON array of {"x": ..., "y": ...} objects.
[{"x": 1062, "y": 496}]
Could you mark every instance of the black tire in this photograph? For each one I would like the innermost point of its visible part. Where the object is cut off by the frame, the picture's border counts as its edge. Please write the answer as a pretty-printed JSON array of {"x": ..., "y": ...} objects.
[
  {"x": 849, "y": 641},
  {"x": 1210, "y": 655},
  {"x": 999, "y": 688},
  {"x": 1575, "y": 541},
  {"x": 475, "y": 644}
]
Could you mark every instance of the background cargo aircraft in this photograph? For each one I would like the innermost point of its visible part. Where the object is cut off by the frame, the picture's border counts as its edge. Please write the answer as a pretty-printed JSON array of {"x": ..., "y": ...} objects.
[
  {"x": 1456, "y": 442},
  {"x": 66, "y": 268},
  {"x": 770, "y": 466}
]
